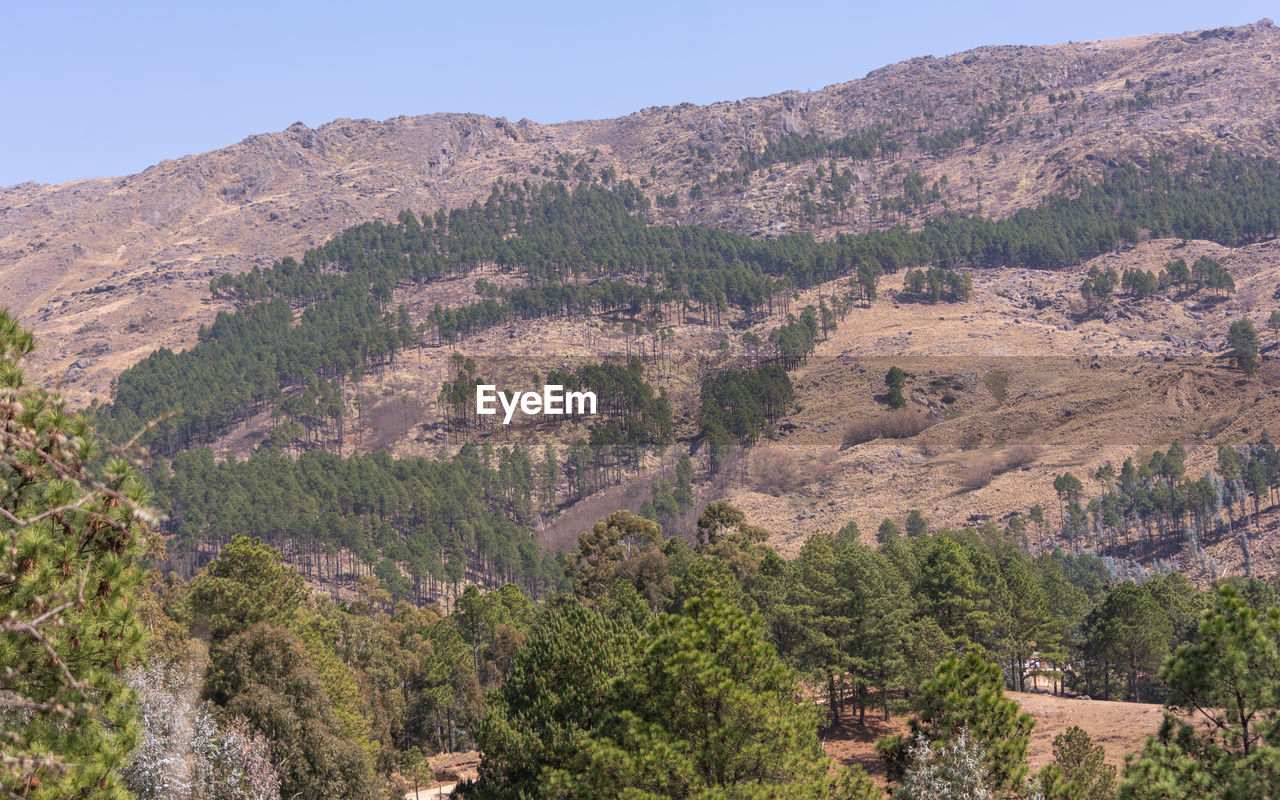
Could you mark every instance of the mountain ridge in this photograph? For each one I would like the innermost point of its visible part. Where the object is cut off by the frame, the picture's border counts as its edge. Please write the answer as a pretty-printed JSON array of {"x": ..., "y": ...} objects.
[{"x": 142, "y": 248}]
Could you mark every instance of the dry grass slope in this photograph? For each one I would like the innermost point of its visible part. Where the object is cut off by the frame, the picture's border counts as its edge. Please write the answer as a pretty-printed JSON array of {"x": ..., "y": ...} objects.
[{"x": 106, "y": 269}]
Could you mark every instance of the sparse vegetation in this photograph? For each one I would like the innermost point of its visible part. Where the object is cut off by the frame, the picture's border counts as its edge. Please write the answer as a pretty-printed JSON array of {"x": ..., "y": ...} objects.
[
  {"x": 897, "y": 424},
  {"x": 776, "y": 471}
]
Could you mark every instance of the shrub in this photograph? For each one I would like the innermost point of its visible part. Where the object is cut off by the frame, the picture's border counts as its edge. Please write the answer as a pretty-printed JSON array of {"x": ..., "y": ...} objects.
[
  {"x": 1018, "y": 455},
  {"x": 900, "y": 423},
  {"x": 977, "y": 470},
  {"x": 776, "y": 471},
  {"x": 950, "y": 771}
]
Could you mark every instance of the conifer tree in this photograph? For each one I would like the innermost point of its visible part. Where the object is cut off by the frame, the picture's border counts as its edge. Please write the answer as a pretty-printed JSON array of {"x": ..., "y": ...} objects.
[
  {"x": 1243, "y": 342},
  {"x": 1079, "y": 770},
  {"x": 72, "y": 536},
  {"x": 554, "y": 697},
  {"x": 707, "y": 710},
  {"x": 887, "y": 532},
  {"x": 967, "y": 694},
  {"x": 916, "y": 525},
  {"x": 247, "y": 583},
  {"x": 895, "y": 379},
  {"x": 1228, "y": 679}
]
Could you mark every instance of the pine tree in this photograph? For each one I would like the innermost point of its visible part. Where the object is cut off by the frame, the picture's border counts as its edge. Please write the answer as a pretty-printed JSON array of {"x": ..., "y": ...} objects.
[
  {"x": 1229, "y": 679},
  {"x": 1079, "y": 770},
  {"x": 73, "y": 536},
  {"x": 887, "y": 532},
  {"x": 1131, "y": 632},
  {"x": 554, "y": 697},
  {"x": 895, "y": 379},
  {"x": 1243, "y": 342},
  {"x": 916, "y": 525},
  {"x": 707, "y": 710},
  {"x": 1231, "y": 674},
  {"x": 967, "y": 694},
  {"x": 247, "y": 583}
]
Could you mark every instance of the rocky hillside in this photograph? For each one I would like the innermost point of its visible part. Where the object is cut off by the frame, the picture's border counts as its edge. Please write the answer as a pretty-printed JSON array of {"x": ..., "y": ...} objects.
[{"x": 107, "y": 269}]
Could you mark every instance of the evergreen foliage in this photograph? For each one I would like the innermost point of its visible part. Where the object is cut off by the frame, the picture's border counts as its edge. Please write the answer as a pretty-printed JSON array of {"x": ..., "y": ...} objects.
[
  {"x": 620, "y": 546},
  {"x": 1144, "y": 505},
  {"x": 740, "y": 405},
  {"x": 1079, "y": 770},
  {"x": 935, "y": 284},
  {"x": 706, "y": 710},
  {"x": 247, "y": 584},
  {"x": 73, "y": 536},
  {"x": 421, "y": 522},
  {"x": 1227, "y": 679},
  {"x": 1243, "y": 341},
  {"x": 966, "y": 697},
  {"x": 590, "y": 249},
  {"x": 895, "y": 380},
  {"x": 556, "y": 694},
  {"x": 264, "y": 674}
]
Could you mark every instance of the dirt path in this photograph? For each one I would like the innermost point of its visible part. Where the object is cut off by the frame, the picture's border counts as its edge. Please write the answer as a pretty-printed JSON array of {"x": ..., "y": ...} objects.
[{"x": 443, "y": 790}]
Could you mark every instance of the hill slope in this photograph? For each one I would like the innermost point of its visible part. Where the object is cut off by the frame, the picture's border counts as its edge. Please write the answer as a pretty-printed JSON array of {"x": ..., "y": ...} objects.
[{"x": 107, "y": 269}]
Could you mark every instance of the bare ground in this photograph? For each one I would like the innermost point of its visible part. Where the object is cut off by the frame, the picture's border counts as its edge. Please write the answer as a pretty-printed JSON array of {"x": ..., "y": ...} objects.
[{"x": 1121, "y": 728}]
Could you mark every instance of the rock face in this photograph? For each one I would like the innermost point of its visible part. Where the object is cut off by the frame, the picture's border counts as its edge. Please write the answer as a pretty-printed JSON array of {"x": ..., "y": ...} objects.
[{"x": 134, "y": 255}]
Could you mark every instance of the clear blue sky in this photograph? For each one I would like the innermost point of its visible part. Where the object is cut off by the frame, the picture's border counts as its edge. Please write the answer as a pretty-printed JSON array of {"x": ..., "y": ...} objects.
[{"x": 94, "y": 88}]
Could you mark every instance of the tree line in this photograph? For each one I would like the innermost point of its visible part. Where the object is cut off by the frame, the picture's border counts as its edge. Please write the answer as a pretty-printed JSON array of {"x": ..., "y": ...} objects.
[
  {"x": 1146, "y": 508},
  {"x": 591, "y": 237},
  {"x": 421, "y": 527},
  {"x": 1207, "y": 273}
]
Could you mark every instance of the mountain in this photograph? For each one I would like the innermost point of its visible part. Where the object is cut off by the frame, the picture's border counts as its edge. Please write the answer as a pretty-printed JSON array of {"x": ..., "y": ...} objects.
[{"x": 107, "y": 269}]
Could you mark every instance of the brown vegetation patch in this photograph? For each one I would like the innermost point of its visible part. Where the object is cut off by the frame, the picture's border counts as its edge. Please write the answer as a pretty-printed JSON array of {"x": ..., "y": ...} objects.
[
  {"x": 900, "y": 423},
  {"x": 979, "y": 468},
  {"x": 777, "y": 471},
  {"x": 392, "y": 419}
]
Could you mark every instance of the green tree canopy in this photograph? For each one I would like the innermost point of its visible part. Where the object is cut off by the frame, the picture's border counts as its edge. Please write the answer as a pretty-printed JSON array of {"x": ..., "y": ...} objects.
[
  {"x": 265, "y": 675},
  {"x": 967, "y": 694},
  {"x": 707, "y": 710},
  {"x": 1228, "y": 679},
  {"x": 1243, "y": 343},
  {"x": 620, "y": 545},
  {"x": 555, "y": 696},
  {"x": 1079, "y": 770},
  {"x": 71, "y": 538}
]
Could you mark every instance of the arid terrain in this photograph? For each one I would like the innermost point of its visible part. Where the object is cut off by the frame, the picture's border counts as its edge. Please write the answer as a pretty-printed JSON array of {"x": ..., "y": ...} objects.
[
  {"x": 1121, "y": 728},
  {"x": 1027, "y": 383},
  {"x": 106, "y": 269},
  {"x": 1016, "y": 383},
  {"x": 332, "y": 575}
]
